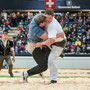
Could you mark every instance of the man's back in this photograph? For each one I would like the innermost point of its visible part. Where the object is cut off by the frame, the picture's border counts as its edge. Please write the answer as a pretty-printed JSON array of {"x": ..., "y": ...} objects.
[{"x": 35, "y": 31}]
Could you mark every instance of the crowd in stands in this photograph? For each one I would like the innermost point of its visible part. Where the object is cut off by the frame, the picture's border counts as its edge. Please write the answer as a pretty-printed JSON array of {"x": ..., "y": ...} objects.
[{"x": 75, "y": 25}]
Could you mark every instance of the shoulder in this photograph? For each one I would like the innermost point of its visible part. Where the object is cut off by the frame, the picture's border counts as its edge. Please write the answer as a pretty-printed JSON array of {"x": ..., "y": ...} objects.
[
  {"x": 0, "y": 41},
  {"x": 10, "y": 41}
]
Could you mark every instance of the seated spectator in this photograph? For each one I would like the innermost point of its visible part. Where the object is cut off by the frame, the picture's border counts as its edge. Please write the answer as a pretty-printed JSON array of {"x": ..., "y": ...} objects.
[
  {"x": 66, "y": 21},
  {"x": 26, "y": 22},
  {"x": 80, "y": 21},
  {"x": 72, "y": 52},
  {"x": 19, "y": 42},
  {"x": 4, "y": 27},
  {"x": 61, "y": 20},
  {"x": 75, "y": 20},
  {"x": 14, "y": 22},
  {"x": 88, "y": 19},
  {"x": 88, "y": 49},
  {"x": 79, "y": 37},
  {"x": 83, "y": 49},
  {"x": 88, "y": 35},
  {"x": 78, "y": 51},
  {"x": 1, "y": 32},
  {"x": 83, "y": 39},
  {"x": 88, "y": 40},
  {"x": 73, "y": 38},
  {"x": 84, "y": 26},
  {"x": 78, "y": 43},
  {"x": 71, "y": 18},
  {"x": 72, "y": 45},
  {"x": 22, "y": 47},
  {"x": 65, "y": 28},
  {"x": 22, "y": 22},
  {"x": 20, "y": 27},
  {"x": 83, "y": 31},
  {"x": 67, "y": 50},
  {"x": 2, "y": 21},
  {"x": 7, "y": 22}
]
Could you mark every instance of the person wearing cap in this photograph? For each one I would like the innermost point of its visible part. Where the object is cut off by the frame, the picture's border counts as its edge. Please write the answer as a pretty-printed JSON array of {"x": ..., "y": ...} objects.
[{"x": 6, "y": 48}]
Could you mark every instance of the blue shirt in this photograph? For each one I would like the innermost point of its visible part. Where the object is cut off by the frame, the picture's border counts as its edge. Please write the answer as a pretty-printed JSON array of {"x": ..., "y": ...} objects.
[{"x": 35, "y": 32}]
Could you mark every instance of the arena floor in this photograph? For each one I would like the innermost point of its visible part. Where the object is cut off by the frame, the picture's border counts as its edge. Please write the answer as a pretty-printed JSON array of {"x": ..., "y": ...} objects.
[{"x": 68, "y": 79}]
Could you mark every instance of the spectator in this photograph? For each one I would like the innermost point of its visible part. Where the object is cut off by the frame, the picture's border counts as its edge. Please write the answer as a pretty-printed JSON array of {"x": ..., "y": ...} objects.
[
  {"x": 72, "y": 52},
  {"x": 88, "y": 49},
  {"x": 83, "y": 49},
  {"x": 16, "y": 50},
  {"x": 78, "y": 43},
  {"x": 22, "y": 47},
  {"x": 78, "y": 50},
  {"x": 88, "y": 40}
]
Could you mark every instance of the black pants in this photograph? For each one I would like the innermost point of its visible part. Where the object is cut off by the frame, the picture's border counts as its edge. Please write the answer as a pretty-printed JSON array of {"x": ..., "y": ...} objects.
[
  {"x": 41, "y": 58},
  {"x": 9, "y": 62}
]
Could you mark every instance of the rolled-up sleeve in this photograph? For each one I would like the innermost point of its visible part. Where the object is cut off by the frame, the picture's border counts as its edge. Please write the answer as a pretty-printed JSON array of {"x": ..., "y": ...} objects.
[
  {"x": 38, "y": 31},
  {"x": 12, "y": 48}
]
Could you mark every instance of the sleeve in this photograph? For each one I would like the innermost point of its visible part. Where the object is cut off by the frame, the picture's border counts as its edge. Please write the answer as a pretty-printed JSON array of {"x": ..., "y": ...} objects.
[
  {"x": 12, "y": 48},
  {"x": 38, "y": 31},
  {"x": 11, "y": 44}
]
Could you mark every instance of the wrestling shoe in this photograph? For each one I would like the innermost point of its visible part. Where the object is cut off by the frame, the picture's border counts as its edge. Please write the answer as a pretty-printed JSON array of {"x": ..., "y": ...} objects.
[
  {"x": 62, "y": 55},
  {"x": 11, "y": 75},
  {"x": 53, "y": 81},
  {"x": 24, "y": 77}
]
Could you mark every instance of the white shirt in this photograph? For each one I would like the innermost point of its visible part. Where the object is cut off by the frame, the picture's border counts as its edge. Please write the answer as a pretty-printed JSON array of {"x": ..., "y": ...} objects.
[
  {"x": 4, "y": 42},
  {"x": 53, "y": 28}
]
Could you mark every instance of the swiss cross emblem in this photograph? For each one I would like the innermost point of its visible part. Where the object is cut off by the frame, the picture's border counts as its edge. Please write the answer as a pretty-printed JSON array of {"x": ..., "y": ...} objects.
[{"x": 50, "y": 4}]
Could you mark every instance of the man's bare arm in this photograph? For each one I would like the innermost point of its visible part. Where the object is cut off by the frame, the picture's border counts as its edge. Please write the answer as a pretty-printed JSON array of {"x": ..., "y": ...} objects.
[
  {"x": 50, "y": 40},
  {"x": 47, "y": 42},
  {"x": 60, "y": 35},
  {"x": 13, "y": 53},
  {"x": 44, "y": 36}
]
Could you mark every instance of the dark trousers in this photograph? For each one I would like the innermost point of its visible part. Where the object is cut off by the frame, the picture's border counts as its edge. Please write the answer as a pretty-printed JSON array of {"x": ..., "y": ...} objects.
[
  {"x": 9, "y": 62},
  {"x": 41, "y": 58}
]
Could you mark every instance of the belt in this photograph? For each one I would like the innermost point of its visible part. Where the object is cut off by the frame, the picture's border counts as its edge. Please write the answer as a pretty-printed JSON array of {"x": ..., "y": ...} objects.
[{"x": 59, "y": 44}]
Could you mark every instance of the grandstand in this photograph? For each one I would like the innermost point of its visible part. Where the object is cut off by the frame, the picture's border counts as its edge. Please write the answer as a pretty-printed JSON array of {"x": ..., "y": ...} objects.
[{"x": 75, "y": 25}]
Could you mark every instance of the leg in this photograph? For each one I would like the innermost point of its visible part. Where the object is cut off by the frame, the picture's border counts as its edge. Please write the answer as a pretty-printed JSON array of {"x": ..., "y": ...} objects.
[
  {"x": 10, "y": 65},
  {"x": 1, "y": 61},
  {"x": 41, "y": 57},
  {"x": 52, "y": 60}
]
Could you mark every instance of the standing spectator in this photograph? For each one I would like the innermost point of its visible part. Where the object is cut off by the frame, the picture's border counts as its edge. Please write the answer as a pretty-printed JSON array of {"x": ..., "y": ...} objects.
[{"x": 6, "y": 47}]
